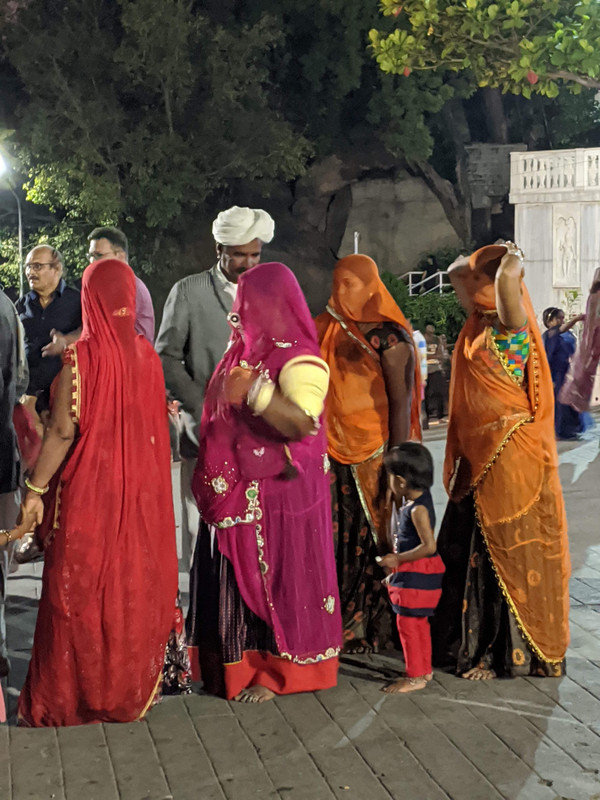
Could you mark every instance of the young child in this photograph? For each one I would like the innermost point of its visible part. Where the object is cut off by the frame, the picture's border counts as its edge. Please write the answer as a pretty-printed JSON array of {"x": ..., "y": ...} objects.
[{"x": 415, "y": 582}]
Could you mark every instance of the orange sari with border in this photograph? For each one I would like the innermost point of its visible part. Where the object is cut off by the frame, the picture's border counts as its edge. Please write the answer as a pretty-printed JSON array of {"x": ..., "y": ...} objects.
[
  {"x": 357, "y": 408},
  {"x": 501, "y": 447}
]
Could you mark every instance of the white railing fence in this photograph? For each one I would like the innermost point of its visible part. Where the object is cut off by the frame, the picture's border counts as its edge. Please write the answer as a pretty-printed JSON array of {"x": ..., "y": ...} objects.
[{"x": 421, "y": 283}]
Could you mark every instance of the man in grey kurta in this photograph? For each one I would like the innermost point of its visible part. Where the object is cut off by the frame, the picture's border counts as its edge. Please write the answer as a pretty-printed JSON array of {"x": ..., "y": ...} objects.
[{"x": 194, "y": 333}]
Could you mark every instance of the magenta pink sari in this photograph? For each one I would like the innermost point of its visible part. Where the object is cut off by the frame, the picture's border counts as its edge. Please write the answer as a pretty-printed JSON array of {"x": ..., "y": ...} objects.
[
  {"x": 273, "y": 526},
  {"x": 577, "y": 389}
]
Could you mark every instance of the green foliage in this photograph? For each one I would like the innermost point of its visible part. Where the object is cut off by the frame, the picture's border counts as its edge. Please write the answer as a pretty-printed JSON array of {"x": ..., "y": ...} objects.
[
  {"x": 439, "y": 259},
  {"x": 572, "y": 302},
  {"x": 67, "y": 237},
  {"x": 137, "y": 112},
  {"x": 442, "y": 310},
  {"x": 398, "y": 288},
  {"x": 523, "y": 47},
  {"x": 9, "y": 271},
  {"x": 330, "y": 88},
  {"x": 565, "y": 121},
  {"x": 148, "y": 113}
]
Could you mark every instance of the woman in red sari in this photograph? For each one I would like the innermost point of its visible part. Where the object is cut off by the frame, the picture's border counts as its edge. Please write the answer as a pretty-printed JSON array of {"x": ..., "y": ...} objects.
[{"x": 101, "y": 490}]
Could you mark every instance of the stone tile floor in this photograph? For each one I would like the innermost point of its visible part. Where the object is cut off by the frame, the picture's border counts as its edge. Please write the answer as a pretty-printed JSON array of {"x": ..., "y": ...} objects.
[{"x": 524, "y": 739}]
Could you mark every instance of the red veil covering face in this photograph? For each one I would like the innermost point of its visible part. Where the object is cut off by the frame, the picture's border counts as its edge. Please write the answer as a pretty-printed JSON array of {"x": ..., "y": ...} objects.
[
  {"x": 501, "y": 446},
  {"x": 110, "y": 575}
]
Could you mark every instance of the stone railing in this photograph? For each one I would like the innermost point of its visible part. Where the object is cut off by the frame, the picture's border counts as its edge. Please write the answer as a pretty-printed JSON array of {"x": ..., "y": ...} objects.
[{"x": 568, "y": 175}]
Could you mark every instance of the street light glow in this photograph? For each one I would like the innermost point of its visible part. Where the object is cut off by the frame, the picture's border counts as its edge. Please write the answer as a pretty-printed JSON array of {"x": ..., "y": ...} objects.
[{"x": 4, "y": 170}]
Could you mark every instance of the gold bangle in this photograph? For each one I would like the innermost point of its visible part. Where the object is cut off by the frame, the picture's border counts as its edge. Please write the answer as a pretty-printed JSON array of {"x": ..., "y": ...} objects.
[
  {"x": 8, "y": 536},
  {"x": 35, "y": 489}
]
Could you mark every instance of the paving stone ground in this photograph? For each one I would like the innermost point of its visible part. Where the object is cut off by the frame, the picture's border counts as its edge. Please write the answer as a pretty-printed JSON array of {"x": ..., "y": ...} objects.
[{"x": 523, "y": 739}]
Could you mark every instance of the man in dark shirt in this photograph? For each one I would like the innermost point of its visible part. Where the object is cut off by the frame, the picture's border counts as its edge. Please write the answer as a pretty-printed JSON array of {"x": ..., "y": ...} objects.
[
  {"x": 50, "y": 305},
  {"x": 109, "y": 242}
]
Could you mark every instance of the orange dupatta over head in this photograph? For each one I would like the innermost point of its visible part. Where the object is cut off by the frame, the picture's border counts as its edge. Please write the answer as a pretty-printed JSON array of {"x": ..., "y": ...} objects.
[
  {"x": 357, "y": 404},
  {"x": 501, "y": 447}
]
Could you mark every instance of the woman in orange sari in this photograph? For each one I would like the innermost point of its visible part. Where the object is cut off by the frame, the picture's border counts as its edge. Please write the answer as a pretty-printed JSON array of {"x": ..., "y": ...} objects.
[
  {"x": 373, "y": 402},
  {"x": 505, "y": 602}
]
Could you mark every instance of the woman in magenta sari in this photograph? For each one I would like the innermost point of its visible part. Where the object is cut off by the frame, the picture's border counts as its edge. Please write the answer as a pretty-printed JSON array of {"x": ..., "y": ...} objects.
[{"x": 264, "y": 607}]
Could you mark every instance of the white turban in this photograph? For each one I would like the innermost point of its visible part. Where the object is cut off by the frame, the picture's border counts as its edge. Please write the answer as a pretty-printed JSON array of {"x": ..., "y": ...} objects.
[{"x": 237, "y": 226}]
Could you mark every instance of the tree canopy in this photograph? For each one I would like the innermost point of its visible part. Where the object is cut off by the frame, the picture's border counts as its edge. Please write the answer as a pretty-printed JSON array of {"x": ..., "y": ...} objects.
[
  {"x": 151, "y": 114},
  {"x": 141, "y": 112},
  {"x": 519, "y": 46},
  {"x": 134, "y": 112}
]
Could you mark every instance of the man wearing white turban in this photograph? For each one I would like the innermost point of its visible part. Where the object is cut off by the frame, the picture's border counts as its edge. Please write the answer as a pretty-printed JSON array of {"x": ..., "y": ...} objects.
[{"x": 194, "y": 333}]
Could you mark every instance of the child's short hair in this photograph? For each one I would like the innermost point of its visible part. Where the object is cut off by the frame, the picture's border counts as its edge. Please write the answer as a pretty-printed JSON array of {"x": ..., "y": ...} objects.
[{"x": 413, "y": 462}]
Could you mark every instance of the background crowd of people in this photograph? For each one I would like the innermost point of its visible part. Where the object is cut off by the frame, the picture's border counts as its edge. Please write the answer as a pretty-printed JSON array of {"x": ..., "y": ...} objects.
[{"x": 307, "y": 518}]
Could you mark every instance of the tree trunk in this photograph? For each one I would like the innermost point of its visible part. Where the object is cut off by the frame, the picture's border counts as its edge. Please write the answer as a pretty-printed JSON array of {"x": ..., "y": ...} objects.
[
  {"x": 455, "y": 198},
  {"x": 456, "y": 209},
  {"x": 495, "y": 116}
]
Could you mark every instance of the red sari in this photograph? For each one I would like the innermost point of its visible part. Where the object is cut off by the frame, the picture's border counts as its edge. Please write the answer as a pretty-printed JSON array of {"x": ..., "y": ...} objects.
[{"x": 110, "y": 574}]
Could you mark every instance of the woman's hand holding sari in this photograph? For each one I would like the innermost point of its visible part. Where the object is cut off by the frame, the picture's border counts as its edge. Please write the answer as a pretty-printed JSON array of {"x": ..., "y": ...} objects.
[{"x": 32, "y": 513}]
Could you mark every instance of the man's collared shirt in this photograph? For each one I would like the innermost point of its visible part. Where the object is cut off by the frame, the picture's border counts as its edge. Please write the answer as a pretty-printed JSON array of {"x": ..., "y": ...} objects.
[
  {"x": 227, "y": 286},
  {"x": 144, "y": 311},
  {"x": 62, "y": 313}
]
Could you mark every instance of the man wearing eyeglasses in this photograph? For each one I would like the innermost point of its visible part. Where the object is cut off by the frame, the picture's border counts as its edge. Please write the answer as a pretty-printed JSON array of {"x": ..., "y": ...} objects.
[
  {"x": 109, "y": 242},
  {"x": 50, "y": 305}
]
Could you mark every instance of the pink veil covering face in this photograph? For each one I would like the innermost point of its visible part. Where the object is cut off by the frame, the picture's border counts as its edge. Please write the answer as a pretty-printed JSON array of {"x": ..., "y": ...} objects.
[
  {"x": 283, "y": 555},
  {"x": 577, "y": 389}
]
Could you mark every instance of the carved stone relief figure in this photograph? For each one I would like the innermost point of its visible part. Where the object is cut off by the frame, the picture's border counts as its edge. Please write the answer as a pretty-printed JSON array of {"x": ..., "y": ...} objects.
[{"x": 566, "y": 246}]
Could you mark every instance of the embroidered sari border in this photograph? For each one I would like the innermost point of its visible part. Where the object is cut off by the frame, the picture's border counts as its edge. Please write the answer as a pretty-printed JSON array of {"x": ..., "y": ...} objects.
[
  {"x": 331, "y": 652},
  {"x": 510, "y": 602},
  {"x": 346, "y": 329},
  {"x": 76, "y": 387},
  {"x": 474, "y": 486},
  {"x": 363, "y": 502},
  {"x": 152, "y": 696}
]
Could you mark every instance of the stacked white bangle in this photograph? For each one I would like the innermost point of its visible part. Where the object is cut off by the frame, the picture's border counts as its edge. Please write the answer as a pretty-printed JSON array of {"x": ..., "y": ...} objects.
[{"x": 260, "y": 394}]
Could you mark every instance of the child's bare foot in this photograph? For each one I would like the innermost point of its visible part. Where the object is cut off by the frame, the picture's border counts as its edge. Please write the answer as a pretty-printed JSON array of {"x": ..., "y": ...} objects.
[
  {"x": 479, "y": 674},
  {"x": 405, "y": 685},
  {"x": 428, "y": 677},
  {"x": 254, "y": 694}
]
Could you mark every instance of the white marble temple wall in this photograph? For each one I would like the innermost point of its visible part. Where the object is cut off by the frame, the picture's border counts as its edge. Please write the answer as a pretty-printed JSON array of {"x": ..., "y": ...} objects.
[
  {"x": 556, "y": 195},
  {"x": 590, "y": 244},
  {"x": 545, "y": 232}
]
